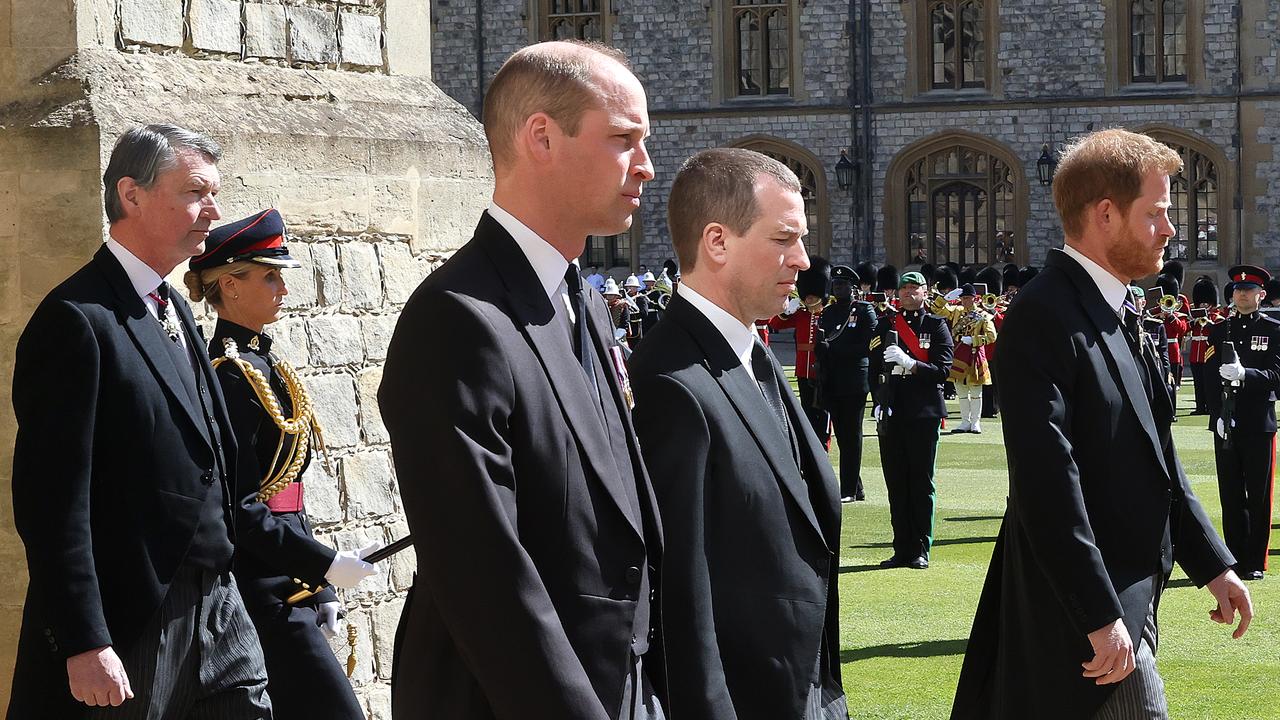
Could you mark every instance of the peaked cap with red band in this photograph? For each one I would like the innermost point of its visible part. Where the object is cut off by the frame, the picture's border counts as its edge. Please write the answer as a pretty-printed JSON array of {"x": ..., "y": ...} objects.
[
  {"x": 258, "y": 238},
  {"x": 1244, "y": 275}
]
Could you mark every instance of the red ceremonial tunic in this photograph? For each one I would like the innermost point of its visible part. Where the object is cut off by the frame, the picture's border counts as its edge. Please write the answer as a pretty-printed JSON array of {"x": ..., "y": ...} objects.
[{"x": 804, "y": 323}]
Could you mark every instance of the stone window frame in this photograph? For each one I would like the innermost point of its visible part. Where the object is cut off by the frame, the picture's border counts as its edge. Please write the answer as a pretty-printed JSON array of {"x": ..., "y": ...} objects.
[
  {"x": 1119, "y": 49},
  {"x": 723, "y": 44},
  {"x": 919, "y": 53},
  {"x": 635, "y": 236},
  {"x": 1196, "y": 145},
  {"x": 896, "y": 222},
  {"x": 818, "y": 241},
  {"x": 539, "y": 25}
]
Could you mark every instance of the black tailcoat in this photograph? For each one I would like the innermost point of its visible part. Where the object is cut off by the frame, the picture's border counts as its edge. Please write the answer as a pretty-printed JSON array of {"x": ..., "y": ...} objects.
[
  {"x": 749, "y": 577},
  {"x": 531, "y": 544},
  {"x": 1098, "y": 504},
  {"x": 112, "y": 465}
]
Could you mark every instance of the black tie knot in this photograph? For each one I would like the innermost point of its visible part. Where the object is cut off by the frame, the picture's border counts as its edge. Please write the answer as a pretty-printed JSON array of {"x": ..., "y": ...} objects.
[{"x": 573, "y": 279}]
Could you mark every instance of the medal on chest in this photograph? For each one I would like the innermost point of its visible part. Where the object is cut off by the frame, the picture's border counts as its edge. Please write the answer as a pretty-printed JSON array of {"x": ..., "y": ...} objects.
[
  {"x": 1259, "y": 342},
  {"x": 170, "y": 325},
  {"x": 925, "y": 340}
]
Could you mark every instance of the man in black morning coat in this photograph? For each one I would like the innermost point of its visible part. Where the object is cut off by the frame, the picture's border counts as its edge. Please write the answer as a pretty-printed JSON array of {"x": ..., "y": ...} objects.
[
  {"x": 522, "y": 482},
  {"x": 124, "y": 470},
  {"x": 1099, "y": 506},
  {"x": 748, "y": 500}
]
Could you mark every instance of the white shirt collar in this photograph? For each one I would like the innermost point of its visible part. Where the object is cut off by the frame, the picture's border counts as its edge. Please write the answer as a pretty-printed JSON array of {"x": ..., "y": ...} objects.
[
  {"x": 1113, "y": 290},
  {"x": 547, "y": 262},
  {"x": 141, "y": 276},
  {"x": 741, "y": 338}
]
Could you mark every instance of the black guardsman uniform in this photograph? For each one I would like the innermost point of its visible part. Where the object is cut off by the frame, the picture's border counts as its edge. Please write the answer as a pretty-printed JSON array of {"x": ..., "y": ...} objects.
[
  {"x": 848, "y": 326},
  {"x": 305, "y": 679},
  {"x": 911, "y": 409},
  {"x": 1246, "y": 462}
]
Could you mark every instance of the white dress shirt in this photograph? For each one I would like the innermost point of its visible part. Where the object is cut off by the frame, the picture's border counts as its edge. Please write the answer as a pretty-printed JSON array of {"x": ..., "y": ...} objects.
[
  {"x": 1114, "y": 290},
  {"x": 145, "y": 281},
  {"x": 547, "y": 262},
  {"x": 741, "y": 338}
]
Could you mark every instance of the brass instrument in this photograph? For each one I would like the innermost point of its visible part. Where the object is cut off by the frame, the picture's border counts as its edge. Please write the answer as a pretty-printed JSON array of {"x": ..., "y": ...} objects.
[
  {"x": 1169, "y": 303},
  {"x": 990, "y": 302}
]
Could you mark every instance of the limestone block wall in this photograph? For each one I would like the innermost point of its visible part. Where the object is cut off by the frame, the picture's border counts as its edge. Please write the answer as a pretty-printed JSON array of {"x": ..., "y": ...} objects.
[{"x": 379, "y": 175}]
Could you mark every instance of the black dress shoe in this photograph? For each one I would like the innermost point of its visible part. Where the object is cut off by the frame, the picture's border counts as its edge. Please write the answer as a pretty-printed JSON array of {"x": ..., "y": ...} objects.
[
  {"x": 1251, "y": 575},
  {"x": 859, "y": 498},
  {"x": 893, "y": 562},
  {"x": 918, "y": 563},
  {"x": 847, "y": 499}
]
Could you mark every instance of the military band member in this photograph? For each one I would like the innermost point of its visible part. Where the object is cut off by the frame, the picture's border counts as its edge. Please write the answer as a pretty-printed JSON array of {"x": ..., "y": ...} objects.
[
  {"x": 1153, "y": 326},
  {"x": 275, "y": 426},
  {"x": 847, "y": 325},
  {"x": 1175, "y": 321},
  {"x": 906, "y": 381},
  {"x": 970, "y": 371},
  {"x": 1205, "y": 313},
  {"x": 813, "y": 286},
  {"x": 1244, "y": 442},
  {"x": 639, "y": 309}
]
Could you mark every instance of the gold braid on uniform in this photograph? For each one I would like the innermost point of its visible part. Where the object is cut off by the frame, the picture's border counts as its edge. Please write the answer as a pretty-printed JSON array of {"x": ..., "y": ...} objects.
[{"x": 301, "y": 425}]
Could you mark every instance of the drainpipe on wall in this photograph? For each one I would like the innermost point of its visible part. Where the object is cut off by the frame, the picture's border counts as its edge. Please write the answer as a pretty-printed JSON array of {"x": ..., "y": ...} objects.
[
  {"x": 1238, "y": 200},
  {"x": 868, "y": 154},
  {"x": 480, "y": 59},
  {"x": 854, "y": 91}
]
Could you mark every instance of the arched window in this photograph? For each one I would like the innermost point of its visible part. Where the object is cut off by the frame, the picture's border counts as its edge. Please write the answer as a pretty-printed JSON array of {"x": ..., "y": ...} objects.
[
  {"x": 958, "y": 44},
  {"x": 1194, "y": 194},
  {"x": 761, "y": 32},
  {"x": 1158, "y": 40},
  {"x": 956, "y": 198},
  {"x": 813, "y": 187},
  {"x": 572, "y": 19}
]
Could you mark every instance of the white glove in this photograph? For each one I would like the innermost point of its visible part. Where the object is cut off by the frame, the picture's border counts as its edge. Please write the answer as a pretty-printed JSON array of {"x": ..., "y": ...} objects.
[
  {"x": 953, "y": 296},
  {"x": 967, "y": 339},
  {"x": 1222, "y": 428},
  {"x": 792, "y": 306},
  {"x": 878, "y": 413},
  {"x": 898, "y": 356},
  {"x": 1232, "y": 373},
  {"x": 330, "y": 625},
  {"x": 348, "y": 569}
]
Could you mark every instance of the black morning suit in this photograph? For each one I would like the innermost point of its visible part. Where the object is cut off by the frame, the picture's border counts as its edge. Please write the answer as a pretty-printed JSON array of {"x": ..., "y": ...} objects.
[
  {"x": 909, "y": 436},
  {"x": 539, "y": 529},
  {"x": 1246, "y": 470},
  {"x": 749, "y": 578},
  {"x": 1088, "y": 528},
  {"x": 304, "y": 677},
  {"x": 115, "y": 464},
  {"x": 848, "y": 326}
]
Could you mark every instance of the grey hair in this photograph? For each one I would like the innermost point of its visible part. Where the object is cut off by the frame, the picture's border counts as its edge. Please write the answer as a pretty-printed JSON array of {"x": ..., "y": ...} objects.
[{"x": 143, "y": 153}]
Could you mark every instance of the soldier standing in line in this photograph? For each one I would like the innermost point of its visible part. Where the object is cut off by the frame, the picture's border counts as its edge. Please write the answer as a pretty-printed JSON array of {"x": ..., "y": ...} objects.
[
  {"x": 813, "y": 285},
  {"x": 1205, "y": 313},
  {"x": 847, "y": 325},
  {"x": 1243, "y": 418},
  {"x": 906, "y": 379}
]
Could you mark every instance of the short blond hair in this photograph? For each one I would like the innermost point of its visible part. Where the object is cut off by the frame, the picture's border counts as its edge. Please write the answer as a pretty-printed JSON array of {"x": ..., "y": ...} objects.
[
  {"x": 1108, "y": 164},
  {"x": 557, "y": 78},
  {"x": 719, "y": 185}
]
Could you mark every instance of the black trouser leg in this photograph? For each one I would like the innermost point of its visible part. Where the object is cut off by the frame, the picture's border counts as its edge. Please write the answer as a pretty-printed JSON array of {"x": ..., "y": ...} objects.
[
  {"x": 818, "y": 419},
  {"x": 1201, "y": 385},
  {"x": 894, "y": 460},
  {"x": 847, "y": 417},
  {"x": 305, "y": 679},
  {"x": 922, "y": 492},
  {"x": 1257, "y": 462},
  {"x": 1231, "y": 494}
]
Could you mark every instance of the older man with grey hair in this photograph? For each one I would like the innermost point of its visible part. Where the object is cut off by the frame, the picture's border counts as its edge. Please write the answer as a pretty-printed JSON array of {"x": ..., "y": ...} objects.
[{"x": 123, "y": 469}]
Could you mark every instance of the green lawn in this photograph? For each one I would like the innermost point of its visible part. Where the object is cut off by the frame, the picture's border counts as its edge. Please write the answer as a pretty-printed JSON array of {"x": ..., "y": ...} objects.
[{"x": 903, "y": 632}]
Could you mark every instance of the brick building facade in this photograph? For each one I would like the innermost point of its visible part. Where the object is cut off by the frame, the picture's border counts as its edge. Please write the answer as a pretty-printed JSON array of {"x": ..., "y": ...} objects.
[{"x": 946, "y": 107}]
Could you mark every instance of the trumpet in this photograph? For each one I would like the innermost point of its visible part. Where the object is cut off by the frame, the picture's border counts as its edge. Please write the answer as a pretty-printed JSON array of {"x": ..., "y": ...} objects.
[
  {"x": 990, "y": 302},
  {"x": 1169, "y": 305}
]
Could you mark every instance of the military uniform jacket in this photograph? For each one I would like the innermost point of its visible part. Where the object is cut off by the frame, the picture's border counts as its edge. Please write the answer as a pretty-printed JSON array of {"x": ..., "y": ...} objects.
[
  {"x": 273, "y": 548},
  {"x": 112, "y": 466},
  {"x": 917, "y": 396},
  {"x": 1257, "y": 342},
  {"x": 1087, "y": 527},
  {"x": 848, "y": 328}
]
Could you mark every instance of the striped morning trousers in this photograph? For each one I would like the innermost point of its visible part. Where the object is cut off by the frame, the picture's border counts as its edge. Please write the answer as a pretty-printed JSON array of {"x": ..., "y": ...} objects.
[
  {"x": 198, "y": 658},
  {"x": 1141, "y": 695}
]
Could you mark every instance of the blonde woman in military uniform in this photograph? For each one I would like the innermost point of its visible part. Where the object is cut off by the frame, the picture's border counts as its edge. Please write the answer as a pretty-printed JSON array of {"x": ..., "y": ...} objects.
[{"x": 275, "y": 429}]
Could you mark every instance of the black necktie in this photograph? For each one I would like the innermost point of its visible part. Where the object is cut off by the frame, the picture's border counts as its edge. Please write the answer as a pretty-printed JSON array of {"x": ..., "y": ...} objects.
[
  {"x": 762, "y": 368},
  {"x": 581, "y": 336}
]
